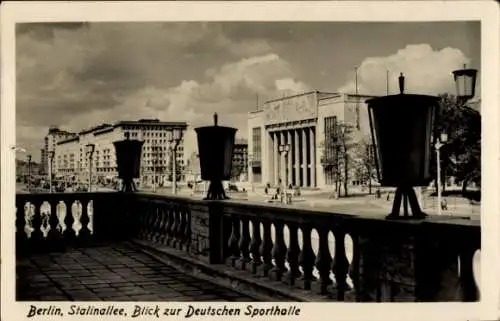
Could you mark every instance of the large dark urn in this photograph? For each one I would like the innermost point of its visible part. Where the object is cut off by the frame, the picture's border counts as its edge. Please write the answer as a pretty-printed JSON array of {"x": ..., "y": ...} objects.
[
  {"x": 128, "y": 161},
  {"x": 215, "y": 148},
  {"x": 402, "y": 128}
]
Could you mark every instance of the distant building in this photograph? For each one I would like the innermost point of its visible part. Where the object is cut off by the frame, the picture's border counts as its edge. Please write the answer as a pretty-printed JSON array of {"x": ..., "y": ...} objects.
[
  {"x": 24, "y": 168},
  {"x": 50, "y": 141},
  {"x": 304, "y": 122},
  {"x": 72, "y": 162},
  {"x": 240, "y": 160},
  {"x": 193, "y": 170}
]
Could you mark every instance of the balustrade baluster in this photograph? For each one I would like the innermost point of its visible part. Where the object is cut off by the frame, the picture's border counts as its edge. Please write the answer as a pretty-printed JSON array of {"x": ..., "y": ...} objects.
[
  {"x": 163, "y": 223},
  {"x": 156, "y": 223},
  {"x": 307, "y": 257},
  {"x": 354, "y": 266},
  {"x": 141, "y": 234},
  {"x": 187, "y": 229},
  {"x": 340, "y": 264},
  {"x": 21, "y": 237},
  {"x": 470, "y": 291},
  {"x": 244, "y": 243},
  {"x": 255, "y": 245},
  {"x": 323, "y": 260},
  {"x": 84, "y": 233},
  {"x": 181, "y": 228},
  {"x": 233, "y": 242},
  {"x": 175, "y": 227},
  {"x": 69, "y": 220},
  {"x": 293, "y": 253},
  {"x": 36, "y": 223},
  {"x": 279, "y": 250},
  {"x": 53, "y": 236},
  {"x": 170, "y": 224},
  {"x": 151, "y": 222},
  {"x": 266, "y": 248}
]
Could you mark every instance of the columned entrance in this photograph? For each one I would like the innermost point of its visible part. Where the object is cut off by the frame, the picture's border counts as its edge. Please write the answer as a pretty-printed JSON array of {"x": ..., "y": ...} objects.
[{"x": 299, "y": 167}]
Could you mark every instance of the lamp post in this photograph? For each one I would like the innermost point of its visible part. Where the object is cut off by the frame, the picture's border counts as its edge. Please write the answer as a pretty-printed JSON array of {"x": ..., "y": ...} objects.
[
  {"x": 89, "y": 148},
  {"x": 465, "y": 81},
  {"x": 174, "y": 138},
  {"x": 284, "y": 149},
  {"x": 439, "y": 143},
  {"x": 51, "y": 159},
  {"x": 29, "y": 173}
]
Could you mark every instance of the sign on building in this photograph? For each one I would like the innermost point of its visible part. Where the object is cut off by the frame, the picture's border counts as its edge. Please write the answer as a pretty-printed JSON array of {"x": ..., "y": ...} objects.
[{"x": 291, "y": 109}]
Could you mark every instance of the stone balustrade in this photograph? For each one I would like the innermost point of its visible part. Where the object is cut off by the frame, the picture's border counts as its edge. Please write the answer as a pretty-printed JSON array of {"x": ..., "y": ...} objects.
[{"x": 327, "y": 255}]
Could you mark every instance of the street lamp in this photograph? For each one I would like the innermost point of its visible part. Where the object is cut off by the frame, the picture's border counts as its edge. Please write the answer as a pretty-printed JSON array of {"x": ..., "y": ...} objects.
[
  {"x": 29, "y": 173},
  {"x": 284, "y": 149},
  {"x": 465, "y": 81},
  {"x": 51, "y": 160},
  {"x": 89, "y": 149},
  {"x": 443, "y": 138},
  {"x": 174, "y": 138}
]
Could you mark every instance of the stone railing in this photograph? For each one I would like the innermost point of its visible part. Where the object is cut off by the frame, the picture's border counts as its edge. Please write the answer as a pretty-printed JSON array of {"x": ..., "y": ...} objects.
[
  {"x": 334, "y": 256},
  {"x": 46, "y": 222}
]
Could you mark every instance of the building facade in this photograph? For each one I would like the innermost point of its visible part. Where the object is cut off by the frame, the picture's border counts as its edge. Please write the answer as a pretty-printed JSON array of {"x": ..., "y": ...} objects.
[
  {"x": 73, "y": 163},
  {"x": 50, "y": 141},
  {"x": 240, "y": 160},
  {"x": 304, "y": 123}
]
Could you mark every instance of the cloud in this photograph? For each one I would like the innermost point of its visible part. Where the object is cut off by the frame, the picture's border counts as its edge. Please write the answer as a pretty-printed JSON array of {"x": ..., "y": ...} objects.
[
  {"x": 230, "y": 90},
  {"x": 426, "y": 71},
  {"x": 76, "y": 75}
]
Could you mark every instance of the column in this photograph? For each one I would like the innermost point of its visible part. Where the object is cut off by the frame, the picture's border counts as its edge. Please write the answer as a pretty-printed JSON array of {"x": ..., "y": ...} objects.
[
  {"x": 282, "y": 159},
  {"x": 289, "y": 159},
  {"x": 276, "y": 157},
  {"x": 296, "y": 151},
  {"x": 267, "y": 158},
  {"x": 312, "y": 152},
  {"x": 304, "y": 157}
]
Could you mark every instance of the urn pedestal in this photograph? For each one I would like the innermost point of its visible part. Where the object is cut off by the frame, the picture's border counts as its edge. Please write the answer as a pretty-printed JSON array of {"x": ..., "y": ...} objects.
[
  {"x": 128, "y": 161},
  {"x": 215, "y": 149},
  {"x": 402, "y": 128}
]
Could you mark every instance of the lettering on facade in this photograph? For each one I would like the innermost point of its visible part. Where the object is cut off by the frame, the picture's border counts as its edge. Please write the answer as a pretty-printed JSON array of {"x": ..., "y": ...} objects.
[
  {"x": 290, "y": 109},
  {"x": 200, "y": 234}
]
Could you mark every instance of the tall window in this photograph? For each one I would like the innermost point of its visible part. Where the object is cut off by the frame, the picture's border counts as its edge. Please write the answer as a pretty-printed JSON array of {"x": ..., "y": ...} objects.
[
  {"x": 257, "y": 144},
  {"x": 329, "y": 153}
]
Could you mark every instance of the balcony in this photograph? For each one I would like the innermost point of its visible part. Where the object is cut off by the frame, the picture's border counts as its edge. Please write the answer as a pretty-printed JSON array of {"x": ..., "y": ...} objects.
[{"x": 117, "y": 246}]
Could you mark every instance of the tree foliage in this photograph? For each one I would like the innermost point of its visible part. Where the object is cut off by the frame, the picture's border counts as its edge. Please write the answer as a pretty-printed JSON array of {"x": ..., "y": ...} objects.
[
  {"x": 342, "y": 157},
  {"x": 461, "y": 155}
]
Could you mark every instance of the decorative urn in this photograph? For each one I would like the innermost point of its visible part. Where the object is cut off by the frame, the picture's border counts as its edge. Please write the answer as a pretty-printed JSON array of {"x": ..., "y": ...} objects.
[
  {"x": 402, "y": 129},
  {"x": 215, "y": 149},
  {"x": 128, "y": 161}
]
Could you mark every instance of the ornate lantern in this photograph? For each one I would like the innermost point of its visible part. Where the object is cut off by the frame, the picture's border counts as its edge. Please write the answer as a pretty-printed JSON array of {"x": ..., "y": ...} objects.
[
  {"x": 465, "y": 81},
  {"x": 128, "y": 161},
  {"x": 215, "y": 147},
  {"x": 402, "y": 128}
]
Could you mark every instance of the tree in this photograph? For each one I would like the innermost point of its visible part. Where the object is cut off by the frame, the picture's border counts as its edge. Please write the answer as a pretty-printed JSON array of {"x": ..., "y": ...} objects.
[
  {"x": 338, "y": 150},
  {"x": 366, "y": 170},
  {"x": 461, "y": 155},
  {"x": 237, "y": 169}
]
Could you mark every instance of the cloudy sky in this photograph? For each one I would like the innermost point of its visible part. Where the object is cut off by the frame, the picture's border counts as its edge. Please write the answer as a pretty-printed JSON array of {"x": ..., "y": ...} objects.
[{"x": 75, "y": 75}]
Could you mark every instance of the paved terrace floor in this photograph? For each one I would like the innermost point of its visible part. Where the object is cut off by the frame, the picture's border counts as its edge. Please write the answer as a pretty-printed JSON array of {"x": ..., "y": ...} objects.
[{"x": 114, "y": 272}]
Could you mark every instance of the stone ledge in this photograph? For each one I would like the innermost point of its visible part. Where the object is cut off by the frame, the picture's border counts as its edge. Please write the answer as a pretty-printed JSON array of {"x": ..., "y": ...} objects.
[{"x": 261, "y": 289}]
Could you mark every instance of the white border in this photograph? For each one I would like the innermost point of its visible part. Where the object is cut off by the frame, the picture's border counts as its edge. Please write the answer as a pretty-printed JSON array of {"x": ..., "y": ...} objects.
[{"x": 487, "y": 12}]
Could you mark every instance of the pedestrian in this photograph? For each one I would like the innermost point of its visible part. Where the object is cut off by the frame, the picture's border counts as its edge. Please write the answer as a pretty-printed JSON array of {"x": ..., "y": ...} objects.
[{"x": 444, "y": 205}]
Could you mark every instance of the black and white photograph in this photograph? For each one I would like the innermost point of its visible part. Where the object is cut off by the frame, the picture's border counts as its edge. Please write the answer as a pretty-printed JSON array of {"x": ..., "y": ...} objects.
[{"x": 281, "y": 161}]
